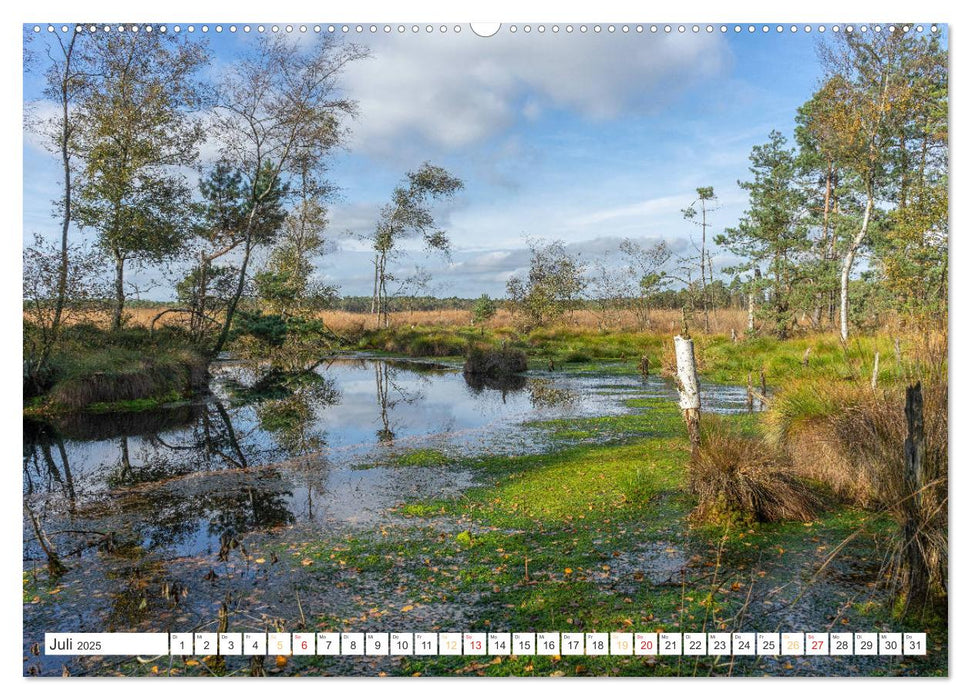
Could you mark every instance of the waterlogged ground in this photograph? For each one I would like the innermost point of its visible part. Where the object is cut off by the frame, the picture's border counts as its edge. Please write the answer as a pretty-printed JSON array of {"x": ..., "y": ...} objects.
[{"x": 385, "y": 495}]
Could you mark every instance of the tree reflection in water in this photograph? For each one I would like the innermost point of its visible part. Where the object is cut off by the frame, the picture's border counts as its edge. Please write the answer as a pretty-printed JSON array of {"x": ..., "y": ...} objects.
[
  {"x": 390, "y": 394},
  {"x": 155, "y": 503}
]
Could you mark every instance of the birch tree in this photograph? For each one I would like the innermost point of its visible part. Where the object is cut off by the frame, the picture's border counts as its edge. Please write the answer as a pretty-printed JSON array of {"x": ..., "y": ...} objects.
[
  {"x": 554, "y": 282},
  {"x": 868, "y": 94},
  {"x": 135, "y": 130},
  {"x": 697, "y": 212},
  {"x": 277, "y": 110},
  {"x": 409, "y": 215},
  {"x": 65, "y": 80}
]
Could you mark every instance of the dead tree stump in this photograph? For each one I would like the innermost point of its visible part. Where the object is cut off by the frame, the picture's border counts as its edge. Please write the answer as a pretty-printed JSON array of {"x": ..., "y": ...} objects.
[{"x": 690, "y": 395}]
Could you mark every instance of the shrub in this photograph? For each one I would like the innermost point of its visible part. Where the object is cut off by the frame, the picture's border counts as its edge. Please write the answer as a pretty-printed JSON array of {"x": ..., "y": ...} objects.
[
  {"x": 743, "y": 477},
  {"x": 494, "y": 362}
]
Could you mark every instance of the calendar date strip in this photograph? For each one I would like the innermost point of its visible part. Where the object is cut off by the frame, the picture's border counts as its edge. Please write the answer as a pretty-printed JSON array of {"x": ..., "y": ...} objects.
[{"x": 487, "y": 644}]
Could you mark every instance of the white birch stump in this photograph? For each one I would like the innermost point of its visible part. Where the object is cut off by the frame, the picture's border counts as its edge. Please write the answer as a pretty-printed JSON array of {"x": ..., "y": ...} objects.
[
  {"x": 690, "y": 395},
  {"x": 876, "y": 371}
]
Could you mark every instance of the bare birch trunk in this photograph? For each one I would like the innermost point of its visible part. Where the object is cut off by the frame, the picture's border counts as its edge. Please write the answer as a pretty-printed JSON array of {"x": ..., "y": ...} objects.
[
  {"x": 374, "y": 295},
  {"x": 119, "y": 306},
  {"x": 876, "y": 371},
  {"x": 847, "y": 267},
  {"x": 690, "y": 395}
]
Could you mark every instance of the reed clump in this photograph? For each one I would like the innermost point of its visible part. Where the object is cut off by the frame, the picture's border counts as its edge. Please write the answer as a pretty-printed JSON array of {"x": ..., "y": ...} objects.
[{"x": 743, "y": 477}]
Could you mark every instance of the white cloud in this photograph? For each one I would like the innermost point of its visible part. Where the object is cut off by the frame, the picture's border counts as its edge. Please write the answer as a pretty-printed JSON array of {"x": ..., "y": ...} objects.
[
  {"x": 454, "y": 90},
  {"x": 657, "y": 205}
]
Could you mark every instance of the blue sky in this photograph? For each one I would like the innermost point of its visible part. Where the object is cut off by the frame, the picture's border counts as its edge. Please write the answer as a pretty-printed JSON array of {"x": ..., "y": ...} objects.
[{"x": 585, "y": 137}]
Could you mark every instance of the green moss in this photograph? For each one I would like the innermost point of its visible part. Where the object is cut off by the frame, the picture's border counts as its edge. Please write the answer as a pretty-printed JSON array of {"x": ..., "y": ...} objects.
[
  {"x": 135, "y": 405},
  {"x": 425, "y": 457}
]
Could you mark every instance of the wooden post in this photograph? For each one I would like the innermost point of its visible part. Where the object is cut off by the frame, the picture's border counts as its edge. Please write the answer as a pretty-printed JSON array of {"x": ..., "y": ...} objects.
[
  {"x": 765, "y": 391},
  {"x": 805, "y": 357},
  {"x": 734, "y": 336},
  {"x": 645, "y": 366},
  {"x": 690, "y": 396},
  {"x": 917, "y": 577},
  {"x": 876, "y": 371},
  {"x": 751, "y": 394}
]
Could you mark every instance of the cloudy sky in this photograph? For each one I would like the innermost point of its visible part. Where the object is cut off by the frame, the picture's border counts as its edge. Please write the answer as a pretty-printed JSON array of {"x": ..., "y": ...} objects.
[{"x": 585, "y": 137}]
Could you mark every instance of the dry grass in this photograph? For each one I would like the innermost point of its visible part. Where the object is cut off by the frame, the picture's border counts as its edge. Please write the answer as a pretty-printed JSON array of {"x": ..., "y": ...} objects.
[
  {"x": 737, "y": 476},
  {"x": 801, "y": 422},
  {"x": 851, "y": 437},
  {"x": 722, "y": 321}
]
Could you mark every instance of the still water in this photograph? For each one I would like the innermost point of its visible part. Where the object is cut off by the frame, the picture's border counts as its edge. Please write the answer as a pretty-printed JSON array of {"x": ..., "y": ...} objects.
[{"x": 326, "y": 447}]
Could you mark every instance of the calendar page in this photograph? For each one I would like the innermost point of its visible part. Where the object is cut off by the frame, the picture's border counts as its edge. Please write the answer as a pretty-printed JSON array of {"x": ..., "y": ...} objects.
[{"x": 528, "y": 349}]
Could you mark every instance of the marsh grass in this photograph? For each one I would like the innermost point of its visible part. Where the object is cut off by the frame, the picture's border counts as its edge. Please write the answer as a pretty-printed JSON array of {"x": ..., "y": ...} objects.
[
  {"x": 736, "y": 476},
  {"x": 127, "y": 370},
  {"x": 851, "y": 437},
  {"x": 422, "y": 457}
]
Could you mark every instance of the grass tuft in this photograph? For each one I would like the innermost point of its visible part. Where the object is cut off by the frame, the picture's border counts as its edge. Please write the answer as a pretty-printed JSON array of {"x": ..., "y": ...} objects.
[{"x": 742, "y": 477}]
